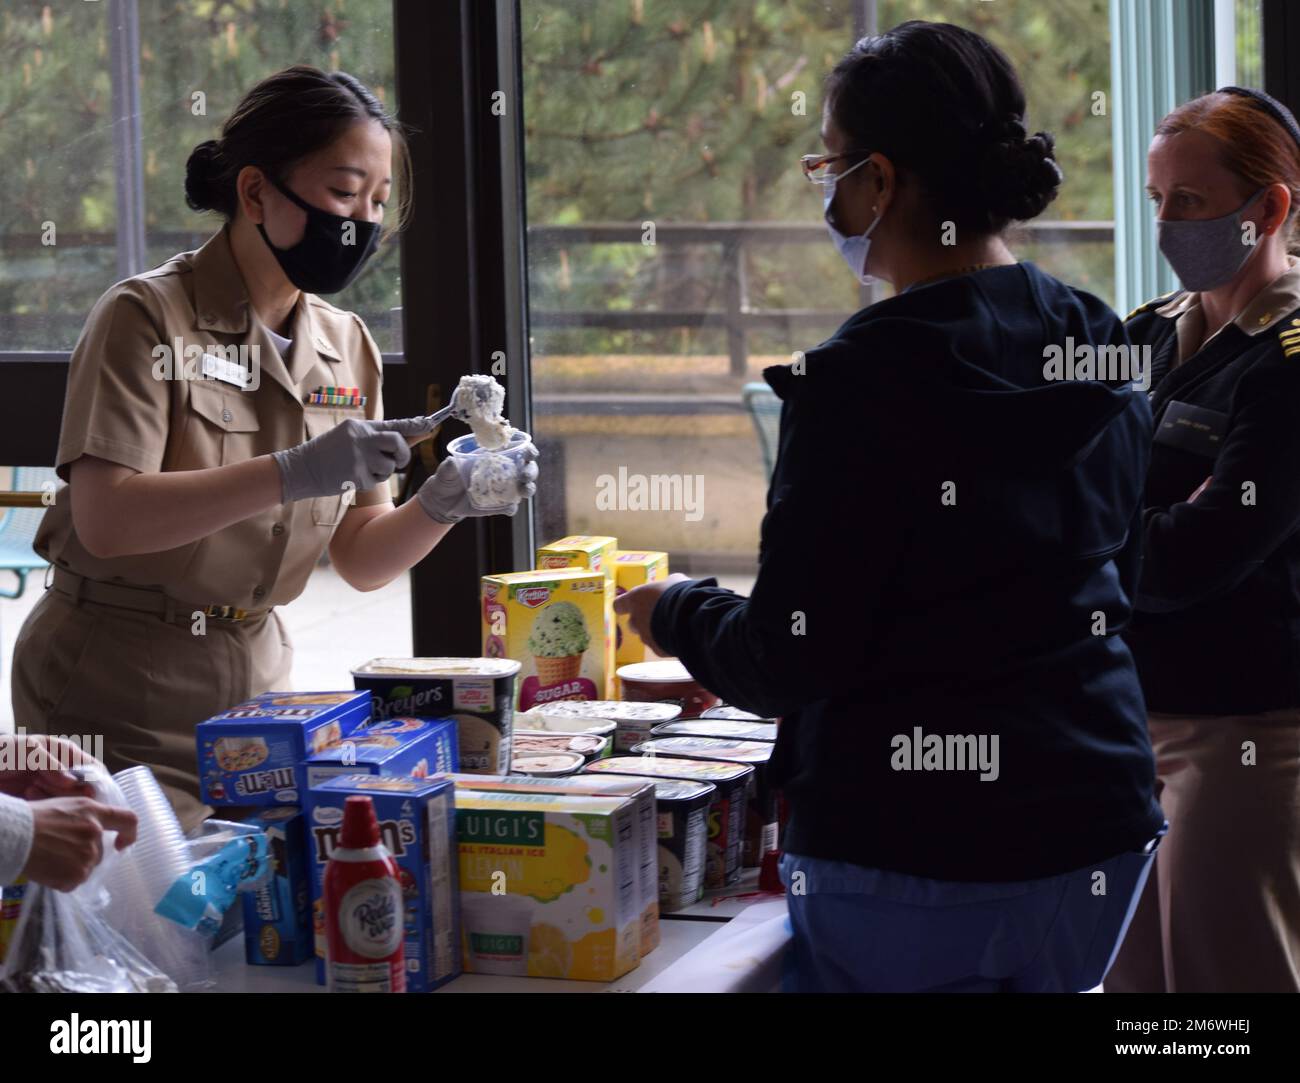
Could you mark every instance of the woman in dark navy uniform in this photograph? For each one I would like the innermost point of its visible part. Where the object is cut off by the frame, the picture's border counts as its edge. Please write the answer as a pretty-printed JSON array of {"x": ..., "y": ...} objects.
[{"x": 1216, "y": 635}]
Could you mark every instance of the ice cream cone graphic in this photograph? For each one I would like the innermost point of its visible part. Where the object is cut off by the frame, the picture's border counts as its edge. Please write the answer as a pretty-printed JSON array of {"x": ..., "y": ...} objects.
[
  {"x": 555, "y": 670},
  {"x": 558, "y": 640}
]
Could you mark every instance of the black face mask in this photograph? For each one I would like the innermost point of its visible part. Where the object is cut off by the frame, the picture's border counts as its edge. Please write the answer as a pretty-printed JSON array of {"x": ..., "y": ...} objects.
[{"x": 321, "y": 262}]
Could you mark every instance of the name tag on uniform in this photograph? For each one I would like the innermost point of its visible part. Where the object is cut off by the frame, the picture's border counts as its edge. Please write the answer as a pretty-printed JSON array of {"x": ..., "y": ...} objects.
[
  {"x": 225, "y": 370},
  {"x": 1192, "y": 428}
]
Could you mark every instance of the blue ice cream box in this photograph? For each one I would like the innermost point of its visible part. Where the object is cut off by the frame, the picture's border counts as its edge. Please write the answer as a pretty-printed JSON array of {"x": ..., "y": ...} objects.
[
  {"x": 414, "y": 747},
  {"x": 417, "y": 825},
  {"x": 252, "y": 754},
  {"x": 277, "y": 916}
]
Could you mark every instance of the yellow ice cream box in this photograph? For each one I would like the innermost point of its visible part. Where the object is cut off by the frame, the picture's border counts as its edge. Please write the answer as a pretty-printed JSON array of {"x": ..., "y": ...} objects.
[
  {"x": 590, "y": 551},
  {"x": 632, "y": 568},
  {"x": 557, "y": 625},
  {"x": 549, "y": 884}
]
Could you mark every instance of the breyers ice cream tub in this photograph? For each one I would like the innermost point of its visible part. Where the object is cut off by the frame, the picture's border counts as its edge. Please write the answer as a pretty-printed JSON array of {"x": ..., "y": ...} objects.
[
  {"x": 763, "y": 813},
  {"x": 634, "y": 721},
  {"x": 726, "y": 818},
  {"x": 478, "y": 693},
  {"x": 547, "y": 764},
  {"x": 665, "y": 682},
  {"x": 682, "y": 811}
]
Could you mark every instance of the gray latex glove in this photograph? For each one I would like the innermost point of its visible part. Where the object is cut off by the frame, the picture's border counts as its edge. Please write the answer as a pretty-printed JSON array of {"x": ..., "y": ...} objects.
[
  {"x": 355, "y": 452},
  {"x": 445, "y": 496}
]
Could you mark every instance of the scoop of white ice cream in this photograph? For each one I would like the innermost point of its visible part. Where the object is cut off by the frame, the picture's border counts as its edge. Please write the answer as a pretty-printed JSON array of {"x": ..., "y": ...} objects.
[{"x": 478, "y": 401}]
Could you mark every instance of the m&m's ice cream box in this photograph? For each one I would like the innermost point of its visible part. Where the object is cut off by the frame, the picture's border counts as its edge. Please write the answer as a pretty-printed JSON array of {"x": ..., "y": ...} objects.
[
  {"x": 417, "y": 823},
  {"x": 253, "y": 754},
  {"x": 414, "y": 747},
  {"x": 634, "y": 568},
  {"x": 557, "y": 625}
]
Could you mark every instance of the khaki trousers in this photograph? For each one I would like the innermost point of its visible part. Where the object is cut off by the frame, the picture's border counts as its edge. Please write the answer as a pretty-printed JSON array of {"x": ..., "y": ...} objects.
[
  {"x": 140, "y": 683},
  {"x": 1221, "y": 909}
]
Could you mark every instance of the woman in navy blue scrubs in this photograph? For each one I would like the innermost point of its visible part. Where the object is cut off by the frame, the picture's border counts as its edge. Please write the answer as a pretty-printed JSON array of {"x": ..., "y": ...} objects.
[{"x": 948, "y": 553}]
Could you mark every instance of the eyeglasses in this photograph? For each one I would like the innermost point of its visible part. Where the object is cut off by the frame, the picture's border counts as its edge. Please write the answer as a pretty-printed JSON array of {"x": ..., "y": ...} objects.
[{"x": 816, "y": 167}]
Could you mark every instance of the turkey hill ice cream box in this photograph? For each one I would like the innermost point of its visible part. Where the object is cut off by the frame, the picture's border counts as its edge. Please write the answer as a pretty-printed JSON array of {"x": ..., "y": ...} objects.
[
  {"x": 417, "y": 824},
  {"x": 634, "y": 568},
  {"x": 550, "y": 884},
  {"x": 554, "y": 623},
  {"x": 252, "y": 754},
  {"x": 413, "y": 747},
  {"x": 478, "y": 693}
]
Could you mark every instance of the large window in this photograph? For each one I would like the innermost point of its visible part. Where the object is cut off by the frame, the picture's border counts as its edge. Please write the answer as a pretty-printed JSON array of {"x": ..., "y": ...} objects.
[
  {"x": 675, "y": 250},
  {"x": 101, "y": 105}
]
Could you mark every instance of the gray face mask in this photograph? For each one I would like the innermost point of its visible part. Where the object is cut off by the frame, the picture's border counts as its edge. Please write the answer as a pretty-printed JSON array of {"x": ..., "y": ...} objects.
[{"x": 1206, "y": 253}]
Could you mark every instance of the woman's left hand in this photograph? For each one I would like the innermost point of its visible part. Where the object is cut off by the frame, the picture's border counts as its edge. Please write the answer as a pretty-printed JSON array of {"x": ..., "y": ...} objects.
[{"x": 638, "y": 604}]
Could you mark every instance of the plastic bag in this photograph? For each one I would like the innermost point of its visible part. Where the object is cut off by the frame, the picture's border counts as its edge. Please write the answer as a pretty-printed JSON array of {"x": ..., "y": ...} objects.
[
  {"x": 226, "y": 858},
  {"x": 63, "y": 945}
]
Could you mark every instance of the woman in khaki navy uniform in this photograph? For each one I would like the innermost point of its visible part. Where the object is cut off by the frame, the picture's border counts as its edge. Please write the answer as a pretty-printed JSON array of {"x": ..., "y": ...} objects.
[
  {"x": 216, "y": 491},
  {"x": 1216, "y": 632}
]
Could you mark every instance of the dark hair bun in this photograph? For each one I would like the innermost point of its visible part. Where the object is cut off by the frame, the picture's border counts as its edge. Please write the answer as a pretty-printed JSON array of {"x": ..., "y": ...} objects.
[
  {"x": 202, "y": 169},
  {"x": 1018, "y": 175}
]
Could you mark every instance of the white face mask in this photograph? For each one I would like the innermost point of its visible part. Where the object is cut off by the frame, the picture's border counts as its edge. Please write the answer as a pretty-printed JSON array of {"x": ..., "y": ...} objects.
[{"x": 853, "y": 249}]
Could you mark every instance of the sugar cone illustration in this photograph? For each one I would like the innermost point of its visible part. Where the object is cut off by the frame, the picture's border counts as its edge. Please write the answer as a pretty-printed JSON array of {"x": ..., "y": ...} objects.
[
  {"x": 558, "y": 640},
  {"x": 555, "y": 670}
]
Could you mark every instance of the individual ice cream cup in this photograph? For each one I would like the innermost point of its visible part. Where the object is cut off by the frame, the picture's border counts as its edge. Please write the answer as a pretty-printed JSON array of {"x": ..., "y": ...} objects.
[
  {"x": 547, "y": 764},
  {"x": 633, "y": 720},
  {"x": 666, "y": 681},
  {"x": 538, "y": 720},
  {"x": 727, "y": 808},
  {"x": 590, "y": 746}
]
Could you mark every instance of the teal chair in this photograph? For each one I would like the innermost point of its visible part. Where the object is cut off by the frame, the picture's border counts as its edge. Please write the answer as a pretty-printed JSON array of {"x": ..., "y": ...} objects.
[
  {"x": 20, "y": 515},
  {"x": 765, "y": 411}
]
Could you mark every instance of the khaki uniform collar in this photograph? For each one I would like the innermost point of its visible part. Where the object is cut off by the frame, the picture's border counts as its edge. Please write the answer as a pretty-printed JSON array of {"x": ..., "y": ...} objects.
[
  {"x": 221, "y": 304},
  {"x": 1274, "y": 302}
]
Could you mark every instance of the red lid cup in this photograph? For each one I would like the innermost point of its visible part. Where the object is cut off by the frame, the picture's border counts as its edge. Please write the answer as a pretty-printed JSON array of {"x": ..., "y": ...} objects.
[{"x": 360, "y": 827}]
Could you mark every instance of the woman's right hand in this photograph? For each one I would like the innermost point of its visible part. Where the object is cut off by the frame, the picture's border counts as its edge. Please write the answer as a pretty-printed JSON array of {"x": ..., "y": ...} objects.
[
  {"x": 355, "y": 453},
  {"x": 68, "y": 839}
]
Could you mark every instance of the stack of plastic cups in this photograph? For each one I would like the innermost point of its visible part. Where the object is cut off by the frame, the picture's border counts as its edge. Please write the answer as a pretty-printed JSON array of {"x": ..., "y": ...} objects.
[{"x": 143, "y": 876}]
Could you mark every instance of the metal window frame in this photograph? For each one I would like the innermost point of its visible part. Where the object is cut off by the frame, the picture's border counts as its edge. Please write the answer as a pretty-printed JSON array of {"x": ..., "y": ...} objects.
[
  {"x": 464, "y": 285},
  {"x": 1281, "y": 33},
  {"x": 1162, "y": 54}
]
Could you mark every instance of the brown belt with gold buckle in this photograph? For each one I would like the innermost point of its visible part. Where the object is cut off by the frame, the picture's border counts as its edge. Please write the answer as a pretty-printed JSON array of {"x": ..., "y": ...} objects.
[{"x": 144, "y": 600}]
